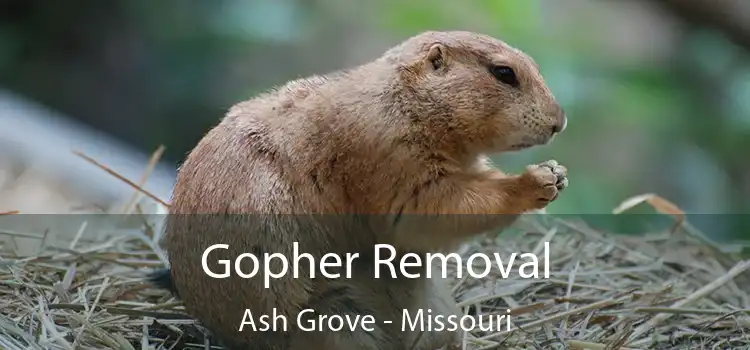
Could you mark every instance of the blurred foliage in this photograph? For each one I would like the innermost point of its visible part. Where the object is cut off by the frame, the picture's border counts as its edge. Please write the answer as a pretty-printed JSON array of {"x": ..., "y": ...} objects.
[{"x": 156, "y": 72}]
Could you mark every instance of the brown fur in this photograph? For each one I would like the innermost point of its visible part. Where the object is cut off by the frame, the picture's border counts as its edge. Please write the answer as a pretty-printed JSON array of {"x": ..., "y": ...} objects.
[{"x": 405, "y": 134}]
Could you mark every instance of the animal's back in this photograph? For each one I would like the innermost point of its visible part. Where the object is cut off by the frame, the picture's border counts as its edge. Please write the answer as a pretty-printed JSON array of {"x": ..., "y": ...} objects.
[{"x": 245, "y": 185}]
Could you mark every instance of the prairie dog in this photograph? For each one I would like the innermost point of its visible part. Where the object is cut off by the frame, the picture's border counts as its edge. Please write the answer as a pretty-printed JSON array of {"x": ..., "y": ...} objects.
[{"x": 375, "y": 150}]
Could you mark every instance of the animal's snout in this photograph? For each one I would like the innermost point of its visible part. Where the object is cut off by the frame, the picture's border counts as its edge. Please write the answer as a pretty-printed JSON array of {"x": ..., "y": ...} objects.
[{"x": 561, "y": 121}]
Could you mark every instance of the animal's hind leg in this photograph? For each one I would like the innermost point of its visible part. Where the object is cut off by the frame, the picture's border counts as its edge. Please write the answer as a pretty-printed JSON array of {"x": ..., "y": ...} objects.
[
  {"x": 342, "y": 340},
  {"x": 344, "y": 298},
  {"x": 432, "y": 294}
]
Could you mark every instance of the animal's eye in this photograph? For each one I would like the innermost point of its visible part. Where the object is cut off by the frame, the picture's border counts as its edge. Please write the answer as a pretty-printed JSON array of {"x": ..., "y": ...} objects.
[{"x": 505, "y": 74}]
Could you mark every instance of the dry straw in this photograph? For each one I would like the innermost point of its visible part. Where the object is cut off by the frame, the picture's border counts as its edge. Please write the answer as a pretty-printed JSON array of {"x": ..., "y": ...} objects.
[{"x": 664, "y": 290}]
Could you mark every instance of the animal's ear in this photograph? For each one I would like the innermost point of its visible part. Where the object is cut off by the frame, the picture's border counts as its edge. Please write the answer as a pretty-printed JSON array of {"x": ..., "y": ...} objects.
[{"x": 436, "y": 57}]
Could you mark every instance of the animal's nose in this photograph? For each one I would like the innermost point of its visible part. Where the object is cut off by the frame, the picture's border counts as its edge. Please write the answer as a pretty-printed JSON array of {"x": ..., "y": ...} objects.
[
  {"x": 560, "y": 126},
  {"x": 562, "y": 122}
]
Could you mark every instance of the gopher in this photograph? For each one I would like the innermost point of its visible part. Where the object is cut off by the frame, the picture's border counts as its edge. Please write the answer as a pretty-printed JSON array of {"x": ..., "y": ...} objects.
[{"x": 394, "y": 151}]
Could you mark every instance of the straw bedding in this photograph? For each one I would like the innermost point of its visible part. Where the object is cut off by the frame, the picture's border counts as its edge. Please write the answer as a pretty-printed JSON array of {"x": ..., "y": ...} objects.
[
  {"x": 662, "y": 290},
  {"x": 658, "y": 291}
]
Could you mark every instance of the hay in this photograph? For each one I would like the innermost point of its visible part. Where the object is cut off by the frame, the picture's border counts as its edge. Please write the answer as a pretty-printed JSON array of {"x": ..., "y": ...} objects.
[
  {"x": 661, "y": 291},
  {"x": 668, "y": 290}
]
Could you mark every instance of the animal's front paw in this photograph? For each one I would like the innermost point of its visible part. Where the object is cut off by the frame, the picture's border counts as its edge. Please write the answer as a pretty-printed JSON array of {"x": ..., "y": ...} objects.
[{"x": 542, "y": 183}]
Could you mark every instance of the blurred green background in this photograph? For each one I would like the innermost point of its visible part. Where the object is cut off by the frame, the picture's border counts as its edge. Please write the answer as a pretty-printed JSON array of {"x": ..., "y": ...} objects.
[{"x": 657, "y": 92}]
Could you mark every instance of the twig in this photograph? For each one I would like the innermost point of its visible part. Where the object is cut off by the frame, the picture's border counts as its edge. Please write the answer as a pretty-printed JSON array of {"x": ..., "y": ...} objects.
[
  {"x": 153, "y": 161},
  {"x": 531, "y": 325},
  {"x": 741, "y": 267},
  {"x": 584, "y": 345},
  {"x": 121, "y": 178}
]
